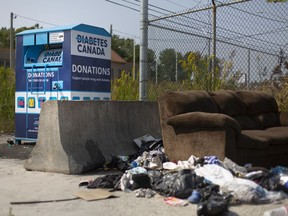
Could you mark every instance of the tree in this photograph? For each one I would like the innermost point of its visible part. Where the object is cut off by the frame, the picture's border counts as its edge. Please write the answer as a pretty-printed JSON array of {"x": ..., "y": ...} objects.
[
  {"x": 4, "y": 38},
  {"x": 5, "y": 35},
  {"x": 36, "y": 26},
  {"x": 168, "y": 68},
  {"x": 125, "y": 48},
  {"x": 197, "y": 69},
  {"x": 167, "y": 60},
  {"x": 200, "y": 76},
  {"x": 281, "y": 68}
]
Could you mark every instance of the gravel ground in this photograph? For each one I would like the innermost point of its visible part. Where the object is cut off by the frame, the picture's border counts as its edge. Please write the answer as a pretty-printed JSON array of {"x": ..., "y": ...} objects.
[{"x": 21, "y": 152}]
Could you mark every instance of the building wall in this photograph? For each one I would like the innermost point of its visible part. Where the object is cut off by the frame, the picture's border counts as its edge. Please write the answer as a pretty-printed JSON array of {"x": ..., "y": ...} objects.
[
  {"x": 117, "y": 69},
  {"x": 5, "y": 57}
]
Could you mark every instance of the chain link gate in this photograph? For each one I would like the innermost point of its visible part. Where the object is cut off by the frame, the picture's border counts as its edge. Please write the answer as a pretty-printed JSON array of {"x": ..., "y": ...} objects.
[{"x": 251, "y": 48}]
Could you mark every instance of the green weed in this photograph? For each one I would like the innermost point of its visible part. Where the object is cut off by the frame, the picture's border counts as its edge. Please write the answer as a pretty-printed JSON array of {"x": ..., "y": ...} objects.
[
  {"x": 7, "y": 99},
  {"x": 125, "y": 88}
]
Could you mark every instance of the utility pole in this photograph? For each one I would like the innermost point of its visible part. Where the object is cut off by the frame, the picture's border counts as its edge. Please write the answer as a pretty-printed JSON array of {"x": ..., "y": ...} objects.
[
  {"x": 143, "y": 51},
  {"x": 12, "y": 56},
  {"x": 111, "y": 30}
]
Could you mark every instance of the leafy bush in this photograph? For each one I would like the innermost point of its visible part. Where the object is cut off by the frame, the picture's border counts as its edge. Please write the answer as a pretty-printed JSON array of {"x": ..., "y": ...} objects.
[
  {"x": 125, "y": 88},
  {"x": 7, "y": 99},
  {"x": 156, "y": 90},
  {"x": 201, "y": 77},
  {"x": 279, "y": 89}
]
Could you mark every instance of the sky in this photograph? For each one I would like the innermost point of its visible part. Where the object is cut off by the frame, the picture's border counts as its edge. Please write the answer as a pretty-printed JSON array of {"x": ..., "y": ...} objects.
[{"x": 125, "y": 21}]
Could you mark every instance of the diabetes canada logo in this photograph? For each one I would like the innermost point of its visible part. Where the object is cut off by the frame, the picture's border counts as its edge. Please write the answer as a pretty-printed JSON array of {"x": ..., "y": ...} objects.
[
  {"x": 52, "y": 56},
  {"x": 91, "y": 45}
]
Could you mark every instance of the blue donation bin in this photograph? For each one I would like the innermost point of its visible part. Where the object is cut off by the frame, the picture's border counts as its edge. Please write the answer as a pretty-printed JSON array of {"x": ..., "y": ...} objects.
[{"x": 63, "y": 63}]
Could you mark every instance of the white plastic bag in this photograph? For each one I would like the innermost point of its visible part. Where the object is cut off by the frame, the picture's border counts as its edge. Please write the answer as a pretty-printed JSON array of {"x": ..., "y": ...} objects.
[{"x": 215, "y": 173}]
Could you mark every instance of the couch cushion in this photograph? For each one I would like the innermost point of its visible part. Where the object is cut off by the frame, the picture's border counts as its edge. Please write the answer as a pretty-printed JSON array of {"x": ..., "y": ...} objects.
[
  {"x": 253, "y": 139},
  {"x": 246, "y": 122},
  {"x": 228, "y": 103},
  {"x": 263, "y": 138},
  {"x": 266, "y": 120},
  {"x": 187, "y": 101},
  {"x": 283, "y": 117},
  {"x": 277, "y": 135},
  {"x": 258, "y": 102},
  {"x": 262, "y": 107},
  {"x": 202, "y": 120}
]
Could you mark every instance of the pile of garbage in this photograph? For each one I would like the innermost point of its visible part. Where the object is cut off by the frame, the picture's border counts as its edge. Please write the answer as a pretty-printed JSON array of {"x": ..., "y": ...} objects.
[{"x": 208, "y": 182}]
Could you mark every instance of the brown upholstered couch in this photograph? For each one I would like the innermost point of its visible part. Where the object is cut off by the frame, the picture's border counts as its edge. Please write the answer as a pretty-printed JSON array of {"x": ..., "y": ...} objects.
[{"x": 244, "y": 126}]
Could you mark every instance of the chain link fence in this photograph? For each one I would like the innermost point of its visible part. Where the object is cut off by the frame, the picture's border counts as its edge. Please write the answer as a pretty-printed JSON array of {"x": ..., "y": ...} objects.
[{"x": 251, "y": 48}]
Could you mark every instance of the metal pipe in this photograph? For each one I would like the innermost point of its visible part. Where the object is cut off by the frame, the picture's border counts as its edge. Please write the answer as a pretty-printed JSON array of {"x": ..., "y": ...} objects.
[
  {"x": 143, "y": 51},
  {"x": 214, "y": 40},
  {"x": 249, "y": 68},
  {"x": 194, "y": 10},
  {"x": 176, "y": 66}
]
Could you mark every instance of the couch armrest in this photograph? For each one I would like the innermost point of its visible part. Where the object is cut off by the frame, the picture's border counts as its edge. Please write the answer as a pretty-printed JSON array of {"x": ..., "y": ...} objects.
[
  {"x": 203, "y": 120},
  {"x": 283, "y": 118}
]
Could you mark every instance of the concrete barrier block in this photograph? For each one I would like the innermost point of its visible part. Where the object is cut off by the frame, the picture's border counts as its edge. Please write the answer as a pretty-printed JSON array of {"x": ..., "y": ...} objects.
[{"x": 78, "y": 136}]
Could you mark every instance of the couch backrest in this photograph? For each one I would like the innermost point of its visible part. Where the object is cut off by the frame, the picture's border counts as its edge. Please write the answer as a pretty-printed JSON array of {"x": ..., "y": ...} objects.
[
  {"x": 261, "y": 107},
  {"x": 251, "y": 109},
  {"x": 230, "y": 104},
  {"x": 173, "y": 103}
]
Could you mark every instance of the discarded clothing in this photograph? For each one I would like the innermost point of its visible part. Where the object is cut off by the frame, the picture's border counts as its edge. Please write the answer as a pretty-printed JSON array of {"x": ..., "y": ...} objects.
[
  {"x": 235, "y": 169},
  {"x": 214, "y": 173},
  {"x": 212, "y": 160},
  {"x": 107, "y": 181},
  {"x": 206, "y": 181},
  {"x": 275, "y": 180},
  {"x": 247, "y": 191},
  {"x": 119, "y": 162},
  {"x": 195, "y": 197},
  {"x": 150, "y": 154},
  {"x": 144, "y": 192},
  {"x": 179, "y": 184},
  {"x": 134, "y": 179},
  {"x": 215, "y": 205},
  {"x": 189, "y": 164}
]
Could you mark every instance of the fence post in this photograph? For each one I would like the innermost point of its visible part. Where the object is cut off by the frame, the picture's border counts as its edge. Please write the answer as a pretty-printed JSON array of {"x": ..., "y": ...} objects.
[
  {"x": 213, "y": 41},
  {"x": 143, "y": 51},
  {"x": 156, "y": 80},
  {"x": 176, "y": 66},
  {"x": 249, "y": 68}
]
